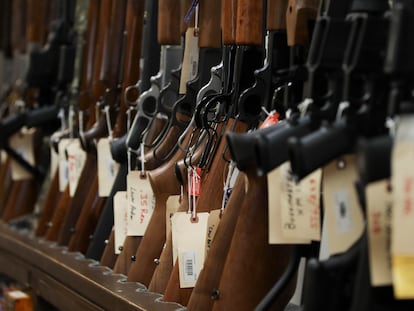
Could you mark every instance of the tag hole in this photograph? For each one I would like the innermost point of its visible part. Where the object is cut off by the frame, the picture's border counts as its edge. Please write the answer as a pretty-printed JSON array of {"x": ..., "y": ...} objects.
[
  {"x": 194, "y": 220},
  {"x": 341, "y": 164},
  {"x": 143, "y": 175},
  {"x": 389, "y": 187}
]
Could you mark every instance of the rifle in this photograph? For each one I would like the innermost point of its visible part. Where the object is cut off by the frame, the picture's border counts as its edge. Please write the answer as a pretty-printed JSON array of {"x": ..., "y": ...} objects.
[
  {"x": 134, "y": 22},
  {"x": 53, "y": 194},
  {"x": 94, "y": 42},
  {"x": 112, "y": 76},
  {"x": 148, "y": 249}
]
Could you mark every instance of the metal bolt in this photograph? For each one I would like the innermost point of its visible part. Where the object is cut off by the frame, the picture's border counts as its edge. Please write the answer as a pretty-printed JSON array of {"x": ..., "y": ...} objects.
[
  {"x": 215, "y": 294},
  {"x": 133, "y": 258}
]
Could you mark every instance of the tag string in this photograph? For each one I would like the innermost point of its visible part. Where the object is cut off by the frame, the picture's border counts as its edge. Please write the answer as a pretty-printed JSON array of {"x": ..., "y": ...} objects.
[{"x": 108, "y": 123}]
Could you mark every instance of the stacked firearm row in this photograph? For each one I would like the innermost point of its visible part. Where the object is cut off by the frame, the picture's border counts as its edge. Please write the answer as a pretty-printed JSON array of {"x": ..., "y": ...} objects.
[{"x": 228, "y": 154}]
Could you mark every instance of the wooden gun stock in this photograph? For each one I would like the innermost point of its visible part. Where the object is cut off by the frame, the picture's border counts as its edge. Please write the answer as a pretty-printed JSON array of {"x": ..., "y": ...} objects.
[
  {"x": 109, "y": 257},
  {"x": 209, "y": 199},
  {"x": 55, "y": 224},
  {"x": 276, "y": 14},
  {"x": 19, "y": 25},
  {"x": 164, "y": 184},
  {"x": 228, "y": 21},
  {"x": 250, "y": 251},
  {"x": 6, "y": 184},
  {"x": 74, "y": 204},
  {"x": 249, "y": 29},
  {"x": 298, "y": 15},
  {"x": 48, "y": 208},
  {"x": 36, "y": 21},
  {"x": 209, "y": 279},
  {"x": 168, "y": 24}
]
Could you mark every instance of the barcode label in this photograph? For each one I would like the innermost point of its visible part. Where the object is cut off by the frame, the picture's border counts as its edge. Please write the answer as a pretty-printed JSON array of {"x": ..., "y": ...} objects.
[
  {"x": 343, "y": 214},
  {"x": 188, "y": 267}
]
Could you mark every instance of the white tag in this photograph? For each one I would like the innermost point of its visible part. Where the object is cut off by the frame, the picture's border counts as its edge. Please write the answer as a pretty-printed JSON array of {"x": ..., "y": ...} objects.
[
  {"x": 190, "y": 60},
  {"x": 107, "y": 168},
  {"x": 63, "y": 164},
  {"x": 213, "y": 223},
  {"x": 76, "y": 162},
  {"x": 22, "y": 143},
  {"x": 172, "y": 206},
  {"x": 120, "y": 219},
  {"x": 3, "y": 156},
  {"x": 54, "y": 161},
  {"x": 379, "y": 209},
  {"x": 189, "y": 239},
  {"x": 345, "y": 222},
  {"x": 141, "y": 202},
  {"x": 276, "y": 185},
  {"x": 402, "y": 179},
  {"x": 300, "y": 205}
]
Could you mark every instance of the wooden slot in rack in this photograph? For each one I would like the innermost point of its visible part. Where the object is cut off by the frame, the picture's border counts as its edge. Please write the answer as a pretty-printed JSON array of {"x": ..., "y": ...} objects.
[{"x": 68, "y": 280}]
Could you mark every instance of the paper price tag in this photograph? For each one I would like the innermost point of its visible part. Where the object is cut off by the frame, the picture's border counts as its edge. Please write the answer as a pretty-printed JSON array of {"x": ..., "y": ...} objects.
[
  {"x": 212, "y": 225},
  {"x": 172, "y": 206},
  {"x": 76, "y": 162},
  {"x": 189, "y": 239},
  {"x": 141, "y": 203},
  {"x": 271, "y": 119},
  {"x": 3, "y": 157},
  {"x": 276, "y": 186},
  {"x": 379, "y": 209},
  {"x": 120, "y": 219},
  {"x": 343, "y": 215},
  {"x": 107, "y": 167},
  {"x": 403, "y": 209},
  {"x": 63, "y": 164},
  {"x": 22, "y": 143},
  {"x": 54, "y": 161},
  {"x": 190, "y": 60},
  {"x": 300, "y": 205}
]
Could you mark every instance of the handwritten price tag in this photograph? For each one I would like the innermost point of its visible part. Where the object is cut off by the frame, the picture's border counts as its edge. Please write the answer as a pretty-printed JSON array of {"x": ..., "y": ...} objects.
[
  {"x": 403, "y": 209},
  {"x": 379, "y": 209},
  {"x": 107, "y": 167},
  {"x": 141, "y": 202},
  {"x": 120, "y": 219},
  {"x": 76, "y": 163},
  {"x": 63, "y": 164},
  {"x": 300, "y": 205},
  {"x": 22, "y": 143}
]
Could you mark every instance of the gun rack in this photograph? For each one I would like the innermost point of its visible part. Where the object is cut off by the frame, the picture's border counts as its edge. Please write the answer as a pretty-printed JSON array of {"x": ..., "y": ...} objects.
[{"x": 68, "y": 280}]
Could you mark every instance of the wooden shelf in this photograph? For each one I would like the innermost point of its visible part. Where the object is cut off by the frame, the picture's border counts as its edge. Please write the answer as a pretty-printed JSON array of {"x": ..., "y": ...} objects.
[{"x": 68, "y": 280}]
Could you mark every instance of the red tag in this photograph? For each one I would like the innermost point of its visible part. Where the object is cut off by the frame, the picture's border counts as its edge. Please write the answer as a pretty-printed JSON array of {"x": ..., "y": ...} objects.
[
  {"x": 195, "y": 181},
  {"x": 271, "y": 119}
]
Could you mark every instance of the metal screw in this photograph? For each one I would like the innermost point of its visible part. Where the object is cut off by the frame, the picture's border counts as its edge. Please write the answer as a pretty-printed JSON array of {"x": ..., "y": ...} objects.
[{"x": 215, "y": 294}]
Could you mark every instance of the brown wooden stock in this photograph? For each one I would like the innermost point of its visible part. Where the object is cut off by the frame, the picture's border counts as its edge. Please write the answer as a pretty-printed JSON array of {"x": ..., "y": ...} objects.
[
  {"x": 75, "y": 204},
  {"x": 252, "y": 266},
  {"x": 109, "y": 257},
  {"x": 6, "y": 184},
  {"x": 210, "y": 17},
  {"x": 168, "y": 22},
  {"x": 249, "y": 22},
  {"x": 54, "y": 226},
  {"x": 228, "y": 21},
  {"x": 19, "y": 22},
  {"x": 126, "y": 257},
  {"x": 48, "y": 208},
  {"x": 184, "y": 6},
  {"x": 164, "y": 184},
  {"x": 36, "y": 20},
  {"x": 85, "y": 98},
  {"x": 210, "y": 275},
  {"x": 155, "y": 157},
  {"x": 85, "y": 226},
  {"x": 22, "y": 199},
  {"x": 276, "y": 14},
  {"x": 298, "y": 15},
  {"x": 210, "y": 198},
  {"x": 133, "y": 27}
]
